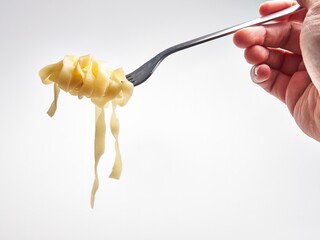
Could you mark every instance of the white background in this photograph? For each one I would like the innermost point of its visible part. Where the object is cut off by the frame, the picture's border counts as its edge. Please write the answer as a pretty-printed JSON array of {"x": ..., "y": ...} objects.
[{"x": 206, "y": 153}]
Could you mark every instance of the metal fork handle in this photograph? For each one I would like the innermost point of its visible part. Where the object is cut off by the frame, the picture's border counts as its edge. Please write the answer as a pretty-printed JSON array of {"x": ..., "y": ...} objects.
[
  {"x": 233, "y": 29},
  {"x": 153, "y": 63}
]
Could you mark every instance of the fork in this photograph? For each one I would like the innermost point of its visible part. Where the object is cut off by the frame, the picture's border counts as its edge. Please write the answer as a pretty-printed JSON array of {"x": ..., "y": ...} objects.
[{"x": 142, "y": 73}]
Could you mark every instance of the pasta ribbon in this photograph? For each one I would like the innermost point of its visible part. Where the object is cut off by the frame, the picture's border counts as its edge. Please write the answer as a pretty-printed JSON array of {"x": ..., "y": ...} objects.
[
  {"x": 114, "y": 125},
  {"x": 86, "y": 77}
]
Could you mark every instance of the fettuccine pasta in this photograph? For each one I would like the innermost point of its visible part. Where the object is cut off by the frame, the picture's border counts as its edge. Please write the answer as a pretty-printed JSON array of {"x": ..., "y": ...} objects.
[{"x": 87, "y": 77}]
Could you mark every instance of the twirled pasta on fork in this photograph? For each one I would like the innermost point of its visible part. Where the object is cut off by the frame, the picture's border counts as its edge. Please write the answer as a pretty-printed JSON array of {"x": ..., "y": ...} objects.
[{"x": 86, "y": 77}]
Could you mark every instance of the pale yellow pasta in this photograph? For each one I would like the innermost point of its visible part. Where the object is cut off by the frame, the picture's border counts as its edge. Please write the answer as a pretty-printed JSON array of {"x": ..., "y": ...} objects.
[{"x": 87, "y": 77}]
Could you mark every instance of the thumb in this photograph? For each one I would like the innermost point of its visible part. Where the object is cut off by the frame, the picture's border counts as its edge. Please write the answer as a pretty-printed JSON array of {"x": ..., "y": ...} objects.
[{"x": 307, "y": 3}]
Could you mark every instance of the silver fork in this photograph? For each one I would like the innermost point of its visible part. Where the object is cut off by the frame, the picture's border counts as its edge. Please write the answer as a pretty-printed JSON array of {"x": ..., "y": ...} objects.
[{"x": 142, "y": 73}]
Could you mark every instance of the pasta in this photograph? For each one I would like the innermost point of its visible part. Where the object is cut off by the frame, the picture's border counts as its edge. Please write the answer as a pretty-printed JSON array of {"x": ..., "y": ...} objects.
[{"x": 87, "y": 77}]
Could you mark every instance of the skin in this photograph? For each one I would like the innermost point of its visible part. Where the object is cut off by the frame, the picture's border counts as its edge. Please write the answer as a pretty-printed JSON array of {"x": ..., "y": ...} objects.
[{"x": 286, "y": 60}]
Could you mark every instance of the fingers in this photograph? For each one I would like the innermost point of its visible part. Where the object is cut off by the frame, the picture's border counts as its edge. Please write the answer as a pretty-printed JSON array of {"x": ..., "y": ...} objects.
[
  {"x": 281, "y": 60},
  {"x": 273, "y": 6},
  {"x": 287, "y": 88},
  {"x": 269, "y": 7},
  {"x": 299, "y": 82},
  {"x": 280, "y": 35},
  {"x": 273, "y": 68},
  {"x": 273, "y": 81},
  {"x": 308, "y": 3},
  {"x": 274, "y": 50}
]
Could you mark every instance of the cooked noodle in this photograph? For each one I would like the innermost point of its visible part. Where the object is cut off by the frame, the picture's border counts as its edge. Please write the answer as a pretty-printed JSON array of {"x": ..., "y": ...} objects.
[{"x": 85, "y": 76}]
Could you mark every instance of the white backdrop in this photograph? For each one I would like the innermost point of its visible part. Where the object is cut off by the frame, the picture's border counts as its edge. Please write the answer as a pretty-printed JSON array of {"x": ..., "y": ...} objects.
[{"x": 206, "y": 153}]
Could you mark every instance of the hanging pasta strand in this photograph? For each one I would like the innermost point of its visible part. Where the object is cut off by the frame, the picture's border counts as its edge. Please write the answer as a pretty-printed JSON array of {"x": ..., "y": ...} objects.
[
  {"x": 56, "y": 90},
  {"x": 99, "y": 147},
  {"x": 115, "y": 127}
]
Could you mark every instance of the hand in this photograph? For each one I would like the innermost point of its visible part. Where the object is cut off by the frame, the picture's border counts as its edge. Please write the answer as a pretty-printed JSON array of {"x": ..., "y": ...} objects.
[{"x": 286, "y": 60}]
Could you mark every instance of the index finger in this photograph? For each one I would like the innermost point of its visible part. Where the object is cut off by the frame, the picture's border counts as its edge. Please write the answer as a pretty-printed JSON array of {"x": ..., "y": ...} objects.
[
  {"x": 269, "y": 7},
  {"x": 284, "y": 35}
]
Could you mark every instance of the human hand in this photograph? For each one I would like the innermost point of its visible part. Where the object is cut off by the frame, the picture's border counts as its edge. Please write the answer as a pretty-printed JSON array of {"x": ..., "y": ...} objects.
[{"x": 286, "y": 60}]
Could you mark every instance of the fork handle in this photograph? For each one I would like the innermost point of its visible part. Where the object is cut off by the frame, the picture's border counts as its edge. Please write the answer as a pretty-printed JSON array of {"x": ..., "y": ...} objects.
[
  {"x": 142, "y": 73},
  {"x": 233, "y": 29}
]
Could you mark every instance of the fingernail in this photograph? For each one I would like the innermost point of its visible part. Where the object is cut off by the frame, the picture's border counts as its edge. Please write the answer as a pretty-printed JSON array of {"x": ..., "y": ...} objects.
[{"x": 254, "y": 75}]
